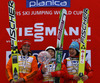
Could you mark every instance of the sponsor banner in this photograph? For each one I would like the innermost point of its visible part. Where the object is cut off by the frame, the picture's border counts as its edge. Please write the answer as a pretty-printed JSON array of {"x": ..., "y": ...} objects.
[
  {"x": 47, "y": 3},
  {"x": 39, "y": 32},
  {"x": 40, "y": 25}
]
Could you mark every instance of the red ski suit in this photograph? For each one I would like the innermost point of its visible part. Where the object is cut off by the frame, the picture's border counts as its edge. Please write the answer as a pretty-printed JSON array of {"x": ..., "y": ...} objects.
[
  {"x": 69, "y": 78},
  {"x": 61, "y": 74}
]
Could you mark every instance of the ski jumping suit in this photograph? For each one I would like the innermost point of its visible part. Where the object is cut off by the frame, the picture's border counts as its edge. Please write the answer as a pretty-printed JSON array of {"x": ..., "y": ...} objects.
[
  {"x": 51, "y": 68},
  {"x": 72, "y": 68},
  {"x": 27, "y": 68}
]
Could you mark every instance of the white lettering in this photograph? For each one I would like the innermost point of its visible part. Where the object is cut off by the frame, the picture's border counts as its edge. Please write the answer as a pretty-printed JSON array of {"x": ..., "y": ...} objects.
[
  {"x": 39, "y": 30},
  {"x": 71, "y": 31},
  {"x": 38, "y": 37},
  {"x": 28, "y": 31},
  {"x": 57, "y": 2},
  {"x": 50, "y": 32},
  {"x": 47, "y": 3},
  {"x": 56, "y": 12},
  {"x": 42, "y": 3},
  {"x": 38, "y": 27},
  {"x": 18, "y": 13},
  {"x": 26, "y": 13},
  {"x": 8, "y": 30},
  {"x": 65, "y": 32},
  {"x": 69, "y": 12},
  {"x": 89, "y": 31},
  {"x": 41, "y": 12},
  {"x": 63, "y": 3},
  {"x": 77, "y": 12},
  {"x": 32, "y": 3},
  {"x": 20, "y": 31}
]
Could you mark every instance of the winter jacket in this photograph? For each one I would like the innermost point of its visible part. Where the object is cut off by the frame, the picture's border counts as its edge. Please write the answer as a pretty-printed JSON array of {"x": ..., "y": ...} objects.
[{"x": 27, "y": 68}]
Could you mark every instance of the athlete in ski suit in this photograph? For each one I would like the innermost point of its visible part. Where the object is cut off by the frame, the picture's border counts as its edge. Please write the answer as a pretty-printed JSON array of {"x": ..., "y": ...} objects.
[
  {"x": 50, "y": 68},
  {"x": 27, "y": 65},
  {"x": 72, "y": 63}
]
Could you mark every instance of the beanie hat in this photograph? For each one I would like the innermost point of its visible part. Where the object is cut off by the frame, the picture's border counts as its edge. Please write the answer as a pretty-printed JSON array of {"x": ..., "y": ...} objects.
[
  {"x": 26, "y": 41},
  {"x": 50, "y": 47},
  {"x": 74, "y": 45}
]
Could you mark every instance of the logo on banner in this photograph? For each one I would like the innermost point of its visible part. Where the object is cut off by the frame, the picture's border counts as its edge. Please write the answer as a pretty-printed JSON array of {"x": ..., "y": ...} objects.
[
  {"x": 39, "y": 32},
  {"x": 47, "y": 3}
]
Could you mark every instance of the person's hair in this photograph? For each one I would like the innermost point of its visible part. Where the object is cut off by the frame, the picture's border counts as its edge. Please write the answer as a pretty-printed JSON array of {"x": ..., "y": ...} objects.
[
  {"x": 26, "y": 39},
  {"x": 77, "y": 52},
  {"x": 29, "y": 52}
]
